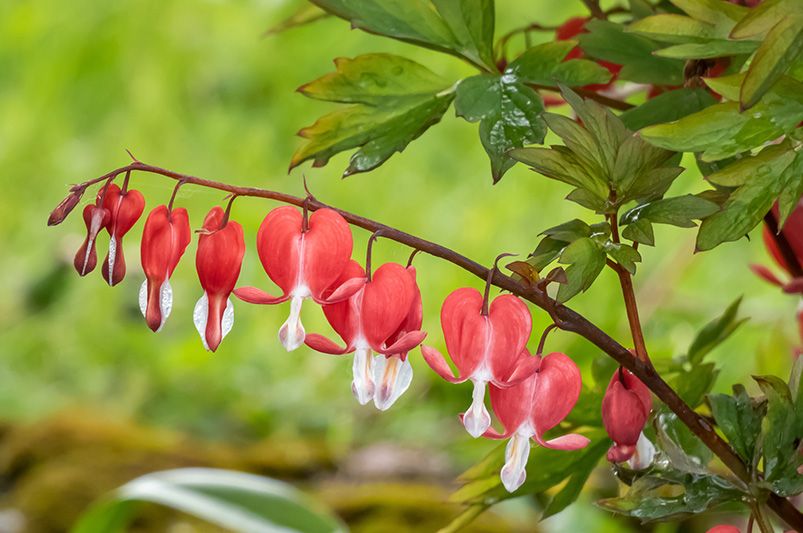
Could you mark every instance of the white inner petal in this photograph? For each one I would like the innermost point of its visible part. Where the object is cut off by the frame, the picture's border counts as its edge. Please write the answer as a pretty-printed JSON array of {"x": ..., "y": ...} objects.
[
  {"x": 477, "y": 420},
  {"x": 199, "y": 315},
  {"x": 292, "y": 333},
  {"x": 392, "y": 377},
  {"x": 363, "y": 383},
  {"x": 165, "y": 301},
  {"x": 645, "y": 453},
  {"x": 228, "y": 319},
  {"x": 143, "y": 298},
  {"x": 516, "y": 453},
  {"x": 112, "y": 257}
]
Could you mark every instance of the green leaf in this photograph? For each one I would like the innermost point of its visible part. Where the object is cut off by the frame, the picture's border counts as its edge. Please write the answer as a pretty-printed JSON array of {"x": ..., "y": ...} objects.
[
  {"x": 582, "y": 469},
  {"x": 640, "y": 231},
  {"x": 394, "y": 101},
  {"x": 639, "y": 170},
  {"x": 375, "y": 80},
  {"x": 715, "y": 332},
  {"x": 782, "y": 429},
  {"x": 586, "y": 260},
  {"x": 674, "y": 28},
  {"x": 547, "y": 251},
  {"x": 678, "y": 211},
  {"x": 509, "y": 113},
  {"x": 739, "y": 417},
  {"x": 544, "y": 64},
  {"x": 559, "y": 165},
  {"x": 608, "y": 41},
  {"x": 624, "y": 254},
  {"x": 721, "y": 131},
  {"x": 708, "y": 50},
  {"x": 459, "y": 27},
  {"x": 713, "y": 12},
  {"x": 776, "y": 54},
  {"x": 666, "y": 107},
  {"x": 760, "y": 20},
  {"x": 228, "y": 499},
  {"x": 304, "y": 15},
  {"x": 769, "y": 175},
  {"x": 569, "y": 231},
  {"x": 694, "y": 383}
]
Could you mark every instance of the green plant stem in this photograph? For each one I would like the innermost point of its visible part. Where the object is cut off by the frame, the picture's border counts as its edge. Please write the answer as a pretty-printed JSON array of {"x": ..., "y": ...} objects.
[{"x": 568, "y": 319}]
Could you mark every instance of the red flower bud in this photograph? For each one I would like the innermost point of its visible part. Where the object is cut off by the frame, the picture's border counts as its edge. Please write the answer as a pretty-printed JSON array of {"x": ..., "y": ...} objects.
[
  {"x": 486, "y": 348},
  {"x": 302, "y": 262},
  {"x": 125, "y": 208},
  {"x": 95, "y": 218},
  {"x": 64, "y": 208},
  {"x": 164, "y": 239},
  {"x": 625, "y": 408},
  {"x": 218, "y": 261}
]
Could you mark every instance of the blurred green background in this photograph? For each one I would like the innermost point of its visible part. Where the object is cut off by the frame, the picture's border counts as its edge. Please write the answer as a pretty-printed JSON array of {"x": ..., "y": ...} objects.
[{"x": 89, "y": 397}]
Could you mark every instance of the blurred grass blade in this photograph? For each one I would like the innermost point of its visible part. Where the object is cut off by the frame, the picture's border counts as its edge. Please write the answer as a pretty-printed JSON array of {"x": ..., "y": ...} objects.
[
  {"x": 229, "y": 499},
  {"x": 301, "y": 17}
]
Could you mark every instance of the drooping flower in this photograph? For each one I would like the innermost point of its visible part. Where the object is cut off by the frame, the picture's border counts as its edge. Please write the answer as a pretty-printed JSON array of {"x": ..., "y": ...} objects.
[
  {"x": 303, "y": 261},
  {"x": 487, "y": 344},
  {"x": 95, "y": 219},
  {"x": 164, "y": 239},
  {"x": 371, "y": 320},
  {"x": 125, "y": 207},
  {"x": 533, "y": 407},
  {"x": 723, "y": 528},
  {"x": 218, "y": 261},
  {"x": 392, "y": 371},
  {"x": 625, "y": 408},
  {"x": 793, "y": 233}
]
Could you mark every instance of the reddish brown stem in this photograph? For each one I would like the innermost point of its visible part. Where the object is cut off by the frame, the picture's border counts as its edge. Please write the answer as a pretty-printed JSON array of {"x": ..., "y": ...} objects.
[
  {"x": 629, "y": 295},
  {"x": 569, "y": 319},
  {"x": 613, "y": 103}
]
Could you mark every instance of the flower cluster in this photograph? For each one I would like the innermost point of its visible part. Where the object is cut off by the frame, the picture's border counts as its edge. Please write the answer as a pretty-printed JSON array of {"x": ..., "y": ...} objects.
[{"x": 377, "y": 313}]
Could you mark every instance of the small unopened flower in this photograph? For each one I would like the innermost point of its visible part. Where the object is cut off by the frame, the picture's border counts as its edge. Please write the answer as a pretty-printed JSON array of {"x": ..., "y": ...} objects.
[
  {"x": 164, "y": 239},
  {"x": 95, "y": 219},
  {"x": 370, "y": 321},
  {"x": 65, "y": 207},
  {"x": 533, "y": 407},
  {"x": 304, "y": 260},
  {"x": 487, "y": 344},
  {"x": 125, "y": 207},
  {"x": 218, "y": 261},
  {"x": 625, "y": 408}
]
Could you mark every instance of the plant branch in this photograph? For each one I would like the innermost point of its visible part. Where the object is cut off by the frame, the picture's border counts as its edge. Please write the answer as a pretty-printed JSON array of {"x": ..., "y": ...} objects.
[
  {"x": 595, "y": 9},
  {"x": 629, "y": 295},
  {"x": 569, "y": 319}
]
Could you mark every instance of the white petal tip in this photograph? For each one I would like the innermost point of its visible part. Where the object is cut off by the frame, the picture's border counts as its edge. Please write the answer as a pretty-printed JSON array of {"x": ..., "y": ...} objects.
[{"x": 392, "y": 377}]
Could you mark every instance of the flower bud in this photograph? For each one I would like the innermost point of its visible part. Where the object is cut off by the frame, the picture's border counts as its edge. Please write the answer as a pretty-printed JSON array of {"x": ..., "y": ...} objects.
[
  {"x": 625, "y": 409},
  {"x": 65, "y": 207}
]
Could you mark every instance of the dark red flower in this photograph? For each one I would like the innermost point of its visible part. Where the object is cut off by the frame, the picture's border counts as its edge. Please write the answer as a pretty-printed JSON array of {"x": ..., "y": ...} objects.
[
  {"x": 218, "y": 261},
  {"x": 533, "y": 407},
  {"x": 164, "y": 239},
  {"x": 303, "y": 262},
  {"x": 370, "y": 321},
  {"x": 125, "y": 208},
  {"x": 95, "y": 219},
  {"x": 793, "y": 233},
  {"x": 625, "y": 408},
  {"x": 486, "y": 347}
]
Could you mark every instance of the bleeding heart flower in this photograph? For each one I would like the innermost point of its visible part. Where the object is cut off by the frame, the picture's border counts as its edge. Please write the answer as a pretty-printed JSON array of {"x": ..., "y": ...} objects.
[
  {"x": 723, "y": 528},
  {"x": 486, "y": 344},
  {"x": 371, "y": 321},
  {"x": 218, "y": 261},
  {"x": 304, "y": 261},
  {"x": 793, "y": 232},
  {"x": 393, "y": 372},
  {"x": 95, "y": 219},
  {"x": 625, "y": 408},
  {"x": 125, "y": 208},
  {"x": 533, "y": 407},
  {"x": 164, "y": 239}
]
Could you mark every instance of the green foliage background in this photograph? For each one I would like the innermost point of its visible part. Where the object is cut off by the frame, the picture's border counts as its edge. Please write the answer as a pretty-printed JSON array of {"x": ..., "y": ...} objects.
[{"x": 193, "y": 86}]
